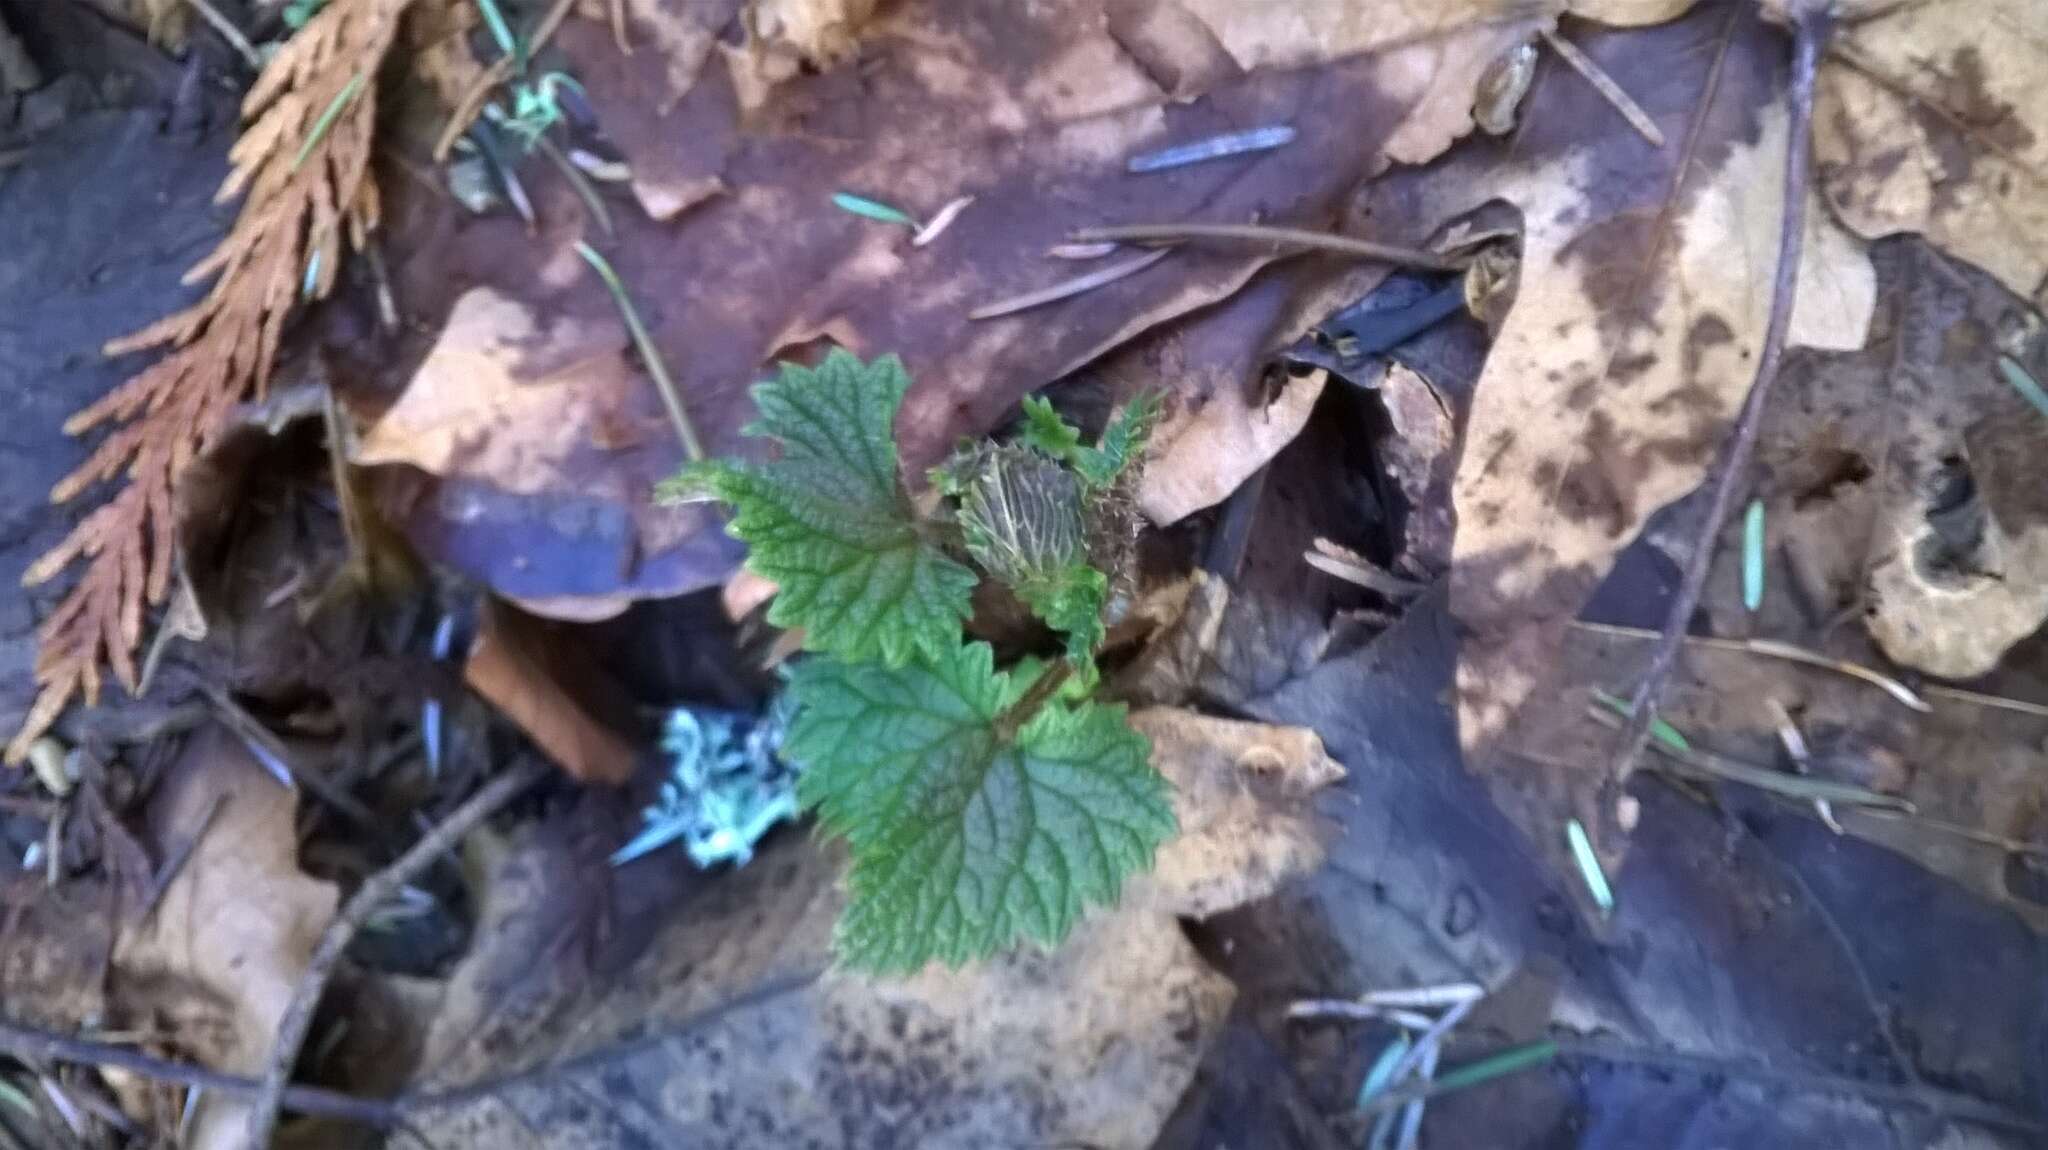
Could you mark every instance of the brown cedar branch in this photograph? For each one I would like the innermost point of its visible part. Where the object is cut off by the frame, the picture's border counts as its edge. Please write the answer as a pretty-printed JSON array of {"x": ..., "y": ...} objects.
[
  {"x": 1809, "y": 34},
  {"x": 381, "y": 887}
]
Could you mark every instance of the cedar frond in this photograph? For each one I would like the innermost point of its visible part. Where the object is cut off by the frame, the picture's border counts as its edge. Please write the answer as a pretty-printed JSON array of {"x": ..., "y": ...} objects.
[{"x": 299, "y": 193}]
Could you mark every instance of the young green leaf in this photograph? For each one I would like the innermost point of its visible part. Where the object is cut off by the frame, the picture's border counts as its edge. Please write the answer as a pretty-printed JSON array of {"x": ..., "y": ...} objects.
[
  {"x": 830, "y": 521},
  {"x": 1123, "y": 441},
  {"x": 1046, "y": 431},
  {"x": 1070, "y": 600},
  {"x": 965, "y": 840}
]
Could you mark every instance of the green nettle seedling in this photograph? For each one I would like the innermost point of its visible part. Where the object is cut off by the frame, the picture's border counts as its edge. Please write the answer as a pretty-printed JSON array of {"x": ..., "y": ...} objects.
[{"x": 981, "y": 806}]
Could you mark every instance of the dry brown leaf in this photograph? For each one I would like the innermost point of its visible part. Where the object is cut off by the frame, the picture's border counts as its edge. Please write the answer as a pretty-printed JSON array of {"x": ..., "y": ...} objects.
[
  {"x": 543, "y": 426},
  {"x": 1859, "y": 457},
  {"x": 1933, "y": 118},
  {"x": 1203, "y": 454},
  {"x": 1240, "y": 791},
  {"x": 1974, "y": 773},
  {"x": 1092, "y": 1043},
  {"x": 823, "y": 32},
  {"x": 1645, "y": 282},
  {"x": 303, "y": 195},
  {"x": 217, "y": 962},
  {"x": 1032, "y": 110},
  {"x": 1310, "y": 31}
]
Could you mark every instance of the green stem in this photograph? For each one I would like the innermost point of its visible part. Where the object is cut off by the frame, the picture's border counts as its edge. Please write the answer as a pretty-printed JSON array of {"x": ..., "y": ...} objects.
[{"x": 670, "y": 397}]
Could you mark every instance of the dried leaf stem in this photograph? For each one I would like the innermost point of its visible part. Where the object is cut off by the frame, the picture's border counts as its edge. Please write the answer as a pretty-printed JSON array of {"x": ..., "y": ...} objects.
[
  {"x": 380, "y": 889},
  {"x": 1591, "y": 71},
  {"x": 1809, "y": 34},
  {"x": 1067, "y": 289},
  {"x": 643, "y": 342},
  {"x": 228, "y": 32},
  {"x": 1283, "y": 237}
]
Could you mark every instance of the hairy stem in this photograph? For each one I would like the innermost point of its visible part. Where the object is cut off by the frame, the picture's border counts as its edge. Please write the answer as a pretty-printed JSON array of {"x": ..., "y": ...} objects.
[{"x": 1034, "y": 699}]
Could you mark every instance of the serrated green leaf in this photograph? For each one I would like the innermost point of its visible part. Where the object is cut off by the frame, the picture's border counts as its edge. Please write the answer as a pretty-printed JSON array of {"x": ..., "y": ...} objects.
[
  {"x": 1046, "y": 431},
  {"x": 1123, "y": 441},
  {"x": 964, "y": 843},
  {"x": 1070, "y": 602},
  {"x": 830, "y": 521}
]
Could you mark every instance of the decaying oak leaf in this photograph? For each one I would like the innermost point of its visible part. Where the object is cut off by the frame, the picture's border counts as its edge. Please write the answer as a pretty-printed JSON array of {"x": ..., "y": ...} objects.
[
  {"x": 1091, "y": 1044},
  {"x": 1030, "y": 109},
  {"x": 530, "y": 452},
  {"x": 1645, "y": 282},
  {"x": 217, "y": 962},
  {"x": 1933, "y": 118}
]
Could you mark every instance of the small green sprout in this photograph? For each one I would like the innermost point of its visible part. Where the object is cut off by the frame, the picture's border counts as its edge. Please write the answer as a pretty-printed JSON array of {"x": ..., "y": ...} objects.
[{"x": 982, "y": 806}]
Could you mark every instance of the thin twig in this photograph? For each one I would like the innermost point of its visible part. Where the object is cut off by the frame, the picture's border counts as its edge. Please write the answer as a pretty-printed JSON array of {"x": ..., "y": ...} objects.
[
  {"x": 1808, "y": 36},
  {"x": 1775, "y": 649},
  {"x": 179, "y": 857},
  {"x": 1802, "y": 788},
  {"x": 381, "y": 887},
  {"x": 263, "y": 743},
  {"x": 618, "y": 14},
  {"x": 229, "y": 32},
  {"x": 1264, "y": 234},
  {"x": 1604, "y": 84},
  {"x": 33, "y": 1045},
  {"x": 1977, "y": 698},
  {"x": 1068, "y": 288},
  {"x": 30, "y": 1044}
]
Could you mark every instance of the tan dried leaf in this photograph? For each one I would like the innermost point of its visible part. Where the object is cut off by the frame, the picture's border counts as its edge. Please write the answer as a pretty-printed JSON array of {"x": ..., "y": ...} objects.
[
  {"x": 1645, "y": 282},
  {"x": 223, "y": 952},
  {"x": 1933, "y": 118},
  {"x": 1241, "y": 792}
]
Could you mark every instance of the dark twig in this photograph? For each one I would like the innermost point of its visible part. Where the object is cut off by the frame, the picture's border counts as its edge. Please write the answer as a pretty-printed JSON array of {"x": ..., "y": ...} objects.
[
  {"x": 32, "y": 1045},
  {"x": 1282, "y": 237},
  {"x": 1811, "y": 31},
  {"x": 381, "y": 887},
  {"x": 179, "y": 857}
]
